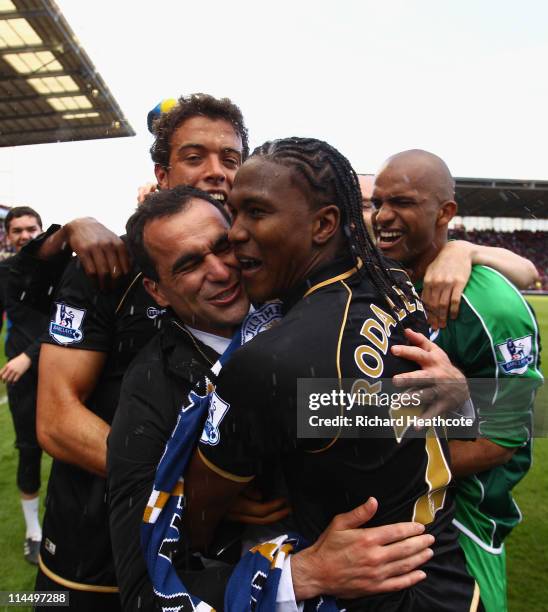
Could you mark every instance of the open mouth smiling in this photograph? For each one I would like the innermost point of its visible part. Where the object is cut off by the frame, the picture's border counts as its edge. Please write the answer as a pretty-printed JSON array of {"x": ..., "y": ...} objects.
[
  {"x": 387, "y": 238},
  {"x": 249, "y": 264},
  {"x": 228, "y": 296}
]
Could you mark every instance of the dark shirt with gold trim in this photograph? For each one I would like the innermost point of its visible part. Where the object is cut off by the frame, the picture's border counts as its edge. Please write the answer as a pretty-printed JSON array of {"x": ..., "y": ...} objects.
[
  {"x": 326, "y": 333},
  {"x": 76, "y": 543}
]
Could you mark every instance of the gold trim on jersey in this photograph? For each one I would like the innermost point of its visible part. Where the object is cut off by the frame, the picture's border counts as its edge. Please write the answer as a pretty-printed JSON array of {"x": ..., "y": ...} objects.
[
  {"x": 334, "y": 279},
  {"x": 475, "y": 598},
  {"x": 222, "y": 472},
  {"x": 76, "y": 586},
  {"x": 127, "y": 292},
  {"x": 400, "y": 270},
  {"x": 437, "y": 476},
  {"x": 339, "y": 373},
  {"x": 341, "y": 331}
]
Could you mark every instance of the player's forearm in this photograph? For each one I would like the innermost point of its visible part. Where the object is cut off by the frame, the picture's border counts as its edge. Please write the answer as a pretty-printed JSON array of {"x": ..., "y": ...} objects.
[
  {"x": 72, "y": 434},
  {"x": 62, "y": 239},
  {"x": 306, "y": 583},
  {"x": 66, "y": 428},
  {"x": 54, "y": 244},
  {"x": 517, "y": 269},
  {"x": 474, "y": 456}
]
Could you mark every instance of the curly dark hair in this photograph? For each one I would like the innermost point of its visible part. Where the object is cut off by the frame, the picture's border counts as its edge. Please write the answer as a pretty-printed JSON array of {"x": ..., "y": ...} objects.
[
  {"x": 198, "y": 104},
  {"x": 158, "y": 204}
]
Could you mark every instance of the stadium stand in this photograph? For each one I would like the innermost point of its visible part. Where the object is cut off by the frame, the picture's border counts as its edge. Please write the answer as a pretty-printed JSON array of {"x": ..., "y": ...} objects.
[
  {"x": 526, "y": 243},
  {"x": 506, "y": 213}
]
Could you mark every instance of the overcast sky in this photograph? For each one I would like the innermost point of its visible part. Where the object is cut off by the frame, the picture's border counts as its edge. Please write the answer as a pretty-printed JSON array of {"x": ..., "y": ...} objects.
[{"x": 464, "y": 79}]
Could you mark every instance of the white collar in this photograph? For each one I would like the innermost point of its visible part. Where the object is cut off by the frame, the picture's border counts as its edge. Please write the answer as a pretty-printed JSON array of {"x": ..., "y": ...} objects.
[{"x": 217, "y": 343}]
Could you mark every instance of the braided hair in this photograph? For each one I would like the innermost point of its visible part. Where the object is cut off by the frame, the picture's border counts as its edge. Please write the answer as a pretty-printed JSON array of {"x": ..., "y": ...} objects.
[{"x": 332, "y": 180}]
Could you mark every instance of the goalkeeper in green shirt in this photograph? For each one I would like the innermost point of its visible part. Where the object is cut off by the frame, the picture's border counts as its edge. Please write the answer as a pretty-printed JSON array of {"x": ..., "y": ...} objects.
[{"x": 495, "y": 336}]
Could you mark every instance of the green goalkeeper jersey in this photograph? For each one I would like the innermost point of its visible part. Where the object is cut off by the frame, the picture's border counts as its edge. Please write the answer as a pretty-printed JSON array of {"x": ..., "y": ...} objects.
[{"x": 495, "y": 337}]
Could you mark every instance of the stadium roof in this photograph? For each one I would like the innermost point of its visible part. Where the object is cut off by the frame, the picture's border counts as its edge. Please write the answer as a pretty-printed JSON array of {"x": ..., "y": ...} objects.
[
  {"x": 502, "y": 198},
  {"x": 49, "y": 88},
  {"x": 479, "y": 197}
]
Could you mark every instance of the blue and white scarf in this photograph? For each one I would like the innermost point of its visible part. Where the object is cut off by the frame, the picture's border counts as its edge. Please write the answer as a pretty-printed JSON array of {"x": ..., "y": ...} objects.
[{"x": 254, "y": 582}]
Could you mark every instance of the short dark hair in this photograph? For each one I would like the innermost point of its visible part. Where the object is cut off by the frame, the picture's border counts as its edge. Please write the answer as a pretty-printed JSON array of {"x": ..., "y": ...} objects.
[
  {"x": 163, "y": 203},
  {"x": 198, "y": 104},
  {"x": 21, "y": 211}
]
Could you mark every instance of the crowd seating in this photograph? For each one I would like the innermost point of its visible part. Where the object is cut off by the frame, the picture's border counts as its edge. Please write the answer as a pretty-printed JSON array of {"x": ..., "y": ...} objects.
[
  {"x": 532, "y": 245},
  {"x": 5, "y": 249}
]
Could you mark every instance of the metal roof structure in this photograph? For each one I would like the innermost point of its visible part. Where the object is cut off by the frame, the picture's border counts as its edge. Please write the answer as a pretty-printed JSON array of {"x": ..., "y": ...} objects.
[
  {"x": 480, "y": 197},
  {"x": 50, "y": 90},
  {"x": 502, "y": 198}
]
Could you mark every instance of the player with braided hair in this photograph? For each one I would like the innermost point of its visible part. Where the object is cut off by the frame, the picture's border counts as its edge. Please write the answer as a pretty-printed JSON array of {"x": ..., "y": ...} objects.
[
  {"x": 330, "y": 174},
  {"x": 299, "y": 236}
]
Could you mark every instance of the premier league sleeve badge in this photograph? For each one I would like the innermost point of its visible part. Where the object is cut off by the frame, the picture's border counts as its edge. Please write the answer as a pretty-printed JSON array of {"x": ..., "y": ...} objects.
[
  {"x": 516, "y": 354},
  {"x": 67, "y": 324}
]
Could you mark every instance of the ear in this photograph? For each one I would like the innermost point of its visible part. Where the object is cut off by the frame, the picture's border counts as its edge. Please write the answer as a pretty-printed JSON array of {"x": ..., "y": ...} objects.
[
  {"x": 162, "y": 176},
  {"x": 326, "y": 224},
  {"x": 154, "y": 290},
  {"x": 446, "y": 212}
]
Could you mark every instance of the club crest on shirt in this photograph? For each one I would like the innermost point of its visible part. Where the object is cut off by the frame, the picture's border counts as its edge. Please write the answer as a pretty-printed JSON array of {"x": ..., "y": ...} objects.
[
  {"x": 260, "y": 320},
  {"x": 66, "y": 326},
  {"x": 516, "y": 355},
  {"x": 217, "y": 410}
]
